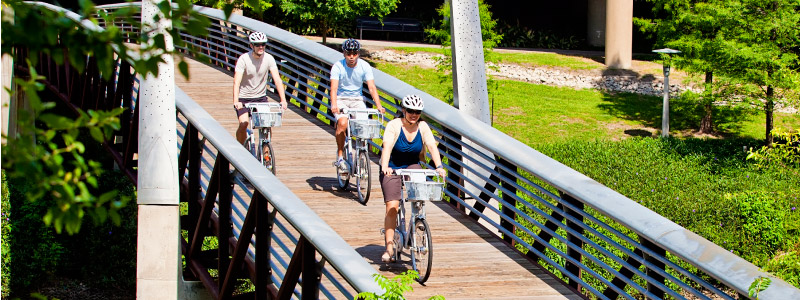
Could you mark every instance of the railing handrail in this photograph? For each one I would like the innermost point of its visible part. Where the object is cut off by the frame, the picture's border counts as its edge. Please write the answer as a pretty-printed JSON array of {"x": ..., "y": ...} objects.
[
  {"x": 710, "y": 258},
  {"x": 336, "y": 251}
]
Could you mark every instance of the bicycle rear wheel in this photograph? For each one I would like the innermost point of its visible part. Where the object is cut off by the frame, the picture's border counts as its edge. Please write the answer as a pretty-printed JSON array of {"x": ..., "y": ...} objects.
[
  {"x": 422, "y": 250},
  {"x": 363, "y": 177},
  {"x": 268, "y": 158},
  {"x": 342, "y": 177}
]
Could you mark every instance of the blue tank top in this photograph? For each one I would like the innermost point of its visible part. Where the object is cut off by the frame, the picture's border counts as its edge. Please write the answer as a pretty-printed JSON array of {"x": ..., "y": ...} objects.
[{"x": 405, "y": 153}]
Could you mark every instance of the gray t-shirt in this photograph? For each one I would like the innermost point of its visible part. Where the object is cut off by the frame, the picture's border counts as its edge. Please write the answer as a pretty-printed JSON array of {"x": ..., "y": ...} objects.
[{"x": 255, "y": 73}]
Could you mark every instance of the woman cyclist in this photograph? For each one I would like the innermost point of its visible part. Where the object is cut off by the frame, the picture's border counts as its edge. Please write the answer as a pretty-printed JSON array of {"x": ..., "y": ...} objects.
[{"x": 403, "y": 142}]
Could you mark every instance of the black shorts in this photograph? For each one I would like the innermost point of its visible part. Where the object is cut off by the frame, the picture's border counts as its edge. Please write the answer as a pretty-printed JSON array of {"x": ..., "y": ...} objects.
[{"x": 244, "y": 110}]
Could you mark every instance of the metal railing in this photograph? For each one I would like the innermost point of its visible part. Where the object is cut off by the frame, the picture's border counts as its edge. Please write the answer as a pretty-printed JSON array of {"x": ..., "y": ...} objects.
[
  {"x": 290, "y": 234},
  {"x": 594, "y": 239}
]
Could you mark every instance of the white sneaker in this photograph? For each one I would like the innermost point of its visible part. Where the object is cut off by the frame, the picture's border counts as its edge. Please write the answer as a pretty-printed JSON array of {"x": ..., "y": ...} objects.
[{"x": 341, "y": 164}]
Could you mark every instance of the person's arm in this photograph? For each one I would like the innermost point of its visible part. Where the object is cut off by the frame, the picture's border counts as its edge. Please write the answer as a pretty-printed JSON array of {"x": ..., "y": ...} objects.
[
  {"x": 334, "y": 90},
  {"x": 237, "y": 81},
  {"x": 276, "y": 78},
  {"x": 430, "y": 143},
  {"x": 389, "y": 138},
  {"x": 373, "y": 91}
]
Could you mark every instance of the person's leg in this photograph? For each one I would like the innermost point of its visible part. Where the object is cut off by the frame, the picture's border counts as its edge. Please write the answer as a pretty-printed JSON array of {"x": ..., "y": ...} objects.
[
  {"x": 389, "y": 224},
  {"x": 392, "y": 188},
  {"x": 341, "y": 127},
  {"x": 244, "y": 122}
]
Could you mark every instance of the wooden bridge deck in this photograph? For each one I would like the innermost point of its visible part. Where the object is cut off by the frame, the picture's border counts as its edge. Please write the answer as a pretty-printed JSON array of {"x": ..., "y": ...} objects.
[{"x": 468, "y": 262}]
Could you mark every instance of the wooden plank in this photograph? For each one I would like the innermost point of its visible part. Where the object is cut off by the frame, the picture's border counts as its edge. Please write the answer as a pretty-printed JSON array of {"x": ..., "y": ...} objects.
[{"x": 468, "y": 262}]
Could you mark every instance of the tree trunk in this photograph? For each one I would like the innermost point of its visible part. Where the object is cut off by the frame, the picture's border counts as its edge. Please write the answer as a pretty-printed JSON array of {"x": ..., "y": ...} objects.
[
  {"x": 769, "y": 109},
  {"x": 324, "y": 28},
  {"x": 707, "y": 124}
]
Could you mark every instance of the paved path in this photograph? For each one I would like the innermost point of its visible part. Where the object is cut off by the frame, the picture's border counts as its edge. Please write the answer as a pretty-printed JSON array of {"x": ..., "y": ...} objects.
[{"x": 468, "y": 262}]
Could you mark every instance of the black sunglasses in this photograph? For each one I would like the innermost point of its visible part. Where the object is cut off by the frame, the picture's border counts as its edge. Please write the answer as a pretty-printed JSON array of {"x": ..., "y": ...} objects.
[
  {"x": 413, "y": 111},
  {"x": 259, "y": 45},
  {"x": 351, "y": 52}
]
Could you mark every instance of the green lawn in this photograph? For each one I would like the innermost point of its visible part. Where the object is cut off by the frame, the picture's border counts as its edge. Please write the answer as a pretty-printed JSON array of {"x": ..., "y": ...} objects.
[{"x": 539, "y": 114}]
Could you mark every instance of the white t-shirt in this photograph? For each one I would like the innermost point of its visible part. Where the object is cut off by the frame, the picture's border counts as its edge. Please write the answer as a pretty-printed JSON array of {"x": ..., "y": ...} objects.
[
  {"x": 255, "y": 73},
  {"x": 351, "y": 79}
]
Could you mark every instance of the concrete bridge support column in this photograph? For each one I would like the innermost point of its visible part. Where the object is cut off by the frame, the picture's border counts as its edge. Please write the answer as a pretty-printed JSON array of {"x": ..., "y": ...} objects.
[
  {"x": 619, "y": 33},
  {"x": 470, "y": 93},
  {"x": 158, "y": 264},
  {"x": 596, "y": 23}
]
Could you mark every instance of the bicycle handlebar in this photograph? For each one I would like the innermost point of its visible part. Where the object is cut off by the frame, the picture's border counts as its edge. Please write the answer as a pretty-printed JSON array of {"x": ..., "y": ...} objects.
[
  {"x": 268, "y": 105},
  {"x": 370, "y": 111},
  {"x": 418, "y": 175}
]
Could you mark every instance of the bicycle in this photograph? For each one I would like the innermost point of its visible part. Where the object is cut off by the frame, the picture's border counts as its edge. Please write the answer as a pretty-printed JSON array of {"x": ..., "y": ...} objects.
[
  {"x": 356, "y": 152},
  {"x": 417, "y": 235},
  {"x": 263, "y": 116}
]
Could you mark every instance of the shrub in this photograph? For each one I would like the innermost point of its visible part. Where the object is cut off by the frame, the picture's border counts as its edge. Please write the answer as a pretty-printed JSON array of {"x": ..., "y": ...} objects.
[
  {"x": 762, "y": 220},
  {"x": 6, "y": 234},
  {"x": 785, "y": 150}
]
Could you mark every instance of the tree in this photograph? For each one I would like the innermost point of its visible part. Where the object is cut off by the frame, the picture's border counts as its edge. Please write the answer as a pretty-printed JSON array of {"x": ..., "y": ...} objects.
[
  {"x": 47, "y": 151},
  {"x": 326, "y": 15},
  {"x": 693, "y": 27},
  {"x": 752, "y": 44},
  {"x": 760, "y": 47}
]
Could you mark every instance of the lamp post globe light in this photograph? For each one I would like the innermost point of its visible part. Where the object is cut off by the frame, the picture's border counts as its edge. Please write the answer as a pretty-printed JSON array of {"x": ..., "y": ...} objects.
[{"x": 665, "y": 54}]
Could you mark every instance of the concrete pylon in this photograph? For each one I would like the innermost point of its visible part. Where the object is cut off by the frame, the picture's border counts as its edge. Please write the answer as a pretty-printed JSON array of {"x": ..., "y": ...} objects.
[
  {"x": 158, "y": 264},
  {"x": 619, "y": 33},
  {"x": 596, "y": 23},
  {"x": 470, "y": 93}
]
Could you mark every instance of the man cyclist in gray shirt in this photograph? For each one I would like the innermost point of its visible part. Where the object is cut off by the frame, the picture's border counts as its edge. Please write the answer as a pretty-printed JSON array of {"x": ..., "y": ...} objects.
[{"x": 250, "y": 81}]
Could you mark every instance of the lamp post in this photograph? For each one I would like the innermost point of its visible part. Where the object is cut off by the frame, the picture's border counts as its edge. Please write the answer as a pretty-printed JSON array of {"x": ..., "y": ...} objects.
[{"x": 665, "y": 54}]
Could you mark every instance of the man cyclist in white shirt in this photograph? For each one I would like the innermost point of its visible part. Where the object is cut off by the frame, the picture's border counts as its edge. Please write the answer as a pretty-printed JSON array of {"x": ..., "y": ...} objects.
[
  {"x": 347, "y": 77},
  {"x": 250, "y": 81}
]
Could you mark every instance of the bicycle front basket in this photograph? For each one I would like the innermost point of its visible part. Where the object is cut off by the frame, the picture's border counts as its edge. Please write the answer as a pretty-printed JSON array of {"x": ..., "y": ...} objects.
[
  {"x": 266, "y": 119},
  {"x": 421, "y": 191},
  {"x": 365, "y": 129}
]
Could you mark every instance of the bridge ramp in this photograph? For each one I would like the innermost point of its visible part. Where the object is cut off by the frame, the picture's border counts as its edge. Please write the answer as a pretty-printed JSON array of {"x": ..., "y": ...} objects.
[{"x": 468, "y": 262}]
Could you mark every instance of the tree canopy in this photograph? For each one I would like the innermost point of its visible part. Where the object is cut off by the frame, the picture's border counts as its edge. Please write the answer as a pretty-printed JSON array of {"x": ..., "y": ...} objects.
[
  {"x": 752, "y": 44},
  {"x": 47, "y": 150},
  {"x": 326, "y": 15}
]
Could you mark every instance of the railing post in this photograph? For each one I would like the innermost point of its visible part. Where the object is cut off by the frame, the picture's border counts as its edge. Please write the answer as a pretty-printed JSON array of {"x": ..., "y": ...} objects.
[
  {"x": 311, "y": 276},
  {"x": 655, "y": 290},
  {"x": 224, "y": 228},
  {"x": 194, "y": 189},
  {"x": 508, "y": 198},
  {"x": 453, "y": 153},
  {"x": 265, "y": 221},
  {"x": 573, "y": 239}
]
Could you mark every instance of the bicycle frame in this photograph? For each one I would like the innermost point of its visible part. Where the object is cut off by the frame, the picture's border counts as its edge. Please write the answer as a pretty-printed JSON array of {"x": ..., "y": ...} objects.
[
  {"x": 264, "y": 143},
  {"x": 356, "y": 155}
]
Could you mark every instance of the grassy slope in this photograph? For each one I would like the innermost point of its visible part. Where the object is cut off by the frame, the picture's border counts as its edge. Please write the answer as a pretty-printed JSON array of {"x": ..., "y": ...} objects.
[
  {"x": 697, "y": 183},
  {"x": 585, "y": 114}
]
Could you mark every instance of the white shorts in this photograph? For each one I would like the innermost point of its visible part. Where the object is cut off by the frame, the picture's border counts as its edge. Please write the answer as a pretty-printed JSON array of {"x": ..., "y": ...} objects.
[{"x": 351, "y": 103}]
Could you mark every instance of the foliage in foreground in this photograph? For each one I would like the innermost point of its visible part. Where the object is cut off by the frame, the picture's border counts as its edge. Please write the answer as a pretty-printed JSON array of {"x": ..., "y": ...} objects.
[
  {"x": 46, "y": 150},
  {"x": 394, "y": 288},
  {"x": 102, "y": 256}
]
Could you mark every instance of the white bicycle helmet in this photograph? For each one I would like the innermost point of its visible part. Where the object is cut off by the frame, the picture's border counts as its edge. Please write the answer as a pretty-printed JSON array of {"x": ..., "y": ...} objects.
[
  {"x": 257, "y": 37},
  {"x": 413, "y": 102}
]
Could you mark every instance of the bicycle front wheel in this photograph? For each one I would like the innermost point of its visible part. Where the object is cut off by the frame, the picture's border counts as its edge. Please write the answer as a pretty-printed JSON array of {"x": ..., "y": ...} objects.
[
  {"x": 268, "y": 158},
  {"x": 363, "y": 177},
  {"x": 422, "y": 250}
]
